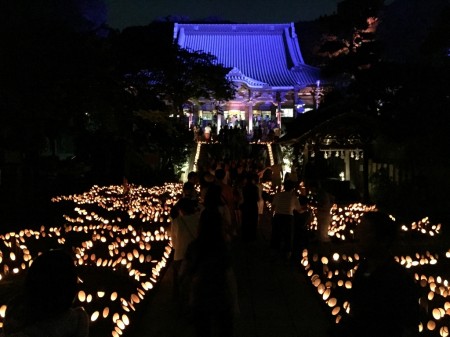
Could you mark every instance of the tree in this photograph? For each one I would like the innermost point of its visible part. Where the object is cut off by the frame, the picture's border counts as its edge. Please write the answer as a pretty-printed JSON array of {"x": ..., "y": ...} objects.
[
  {"x": 160, "y": 70},
  {"x": 52, "y": 64},
  {"x": 191, "y": 75},
  {"x": 55, "y": 75},
  {"x": 160, "y": 78},
  {"x": 162, "y": 143}
]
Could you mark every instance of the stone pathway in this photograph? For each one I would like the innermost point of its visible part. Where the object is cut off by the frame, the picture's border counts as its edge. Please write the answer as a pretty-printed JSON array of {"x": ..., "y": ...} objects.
[{"x": 275, "y": 298}]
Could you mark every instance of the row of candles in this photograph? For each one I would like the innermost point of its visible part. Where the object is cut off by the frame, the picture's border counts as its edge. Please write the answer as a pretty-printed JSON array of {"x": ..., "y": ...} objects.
[
  {"x": 332, "y": 275},
  {"x": 121, "y": 229},
  {"x": 329, "y": 274},
  {"x": 332, "y": 278}
]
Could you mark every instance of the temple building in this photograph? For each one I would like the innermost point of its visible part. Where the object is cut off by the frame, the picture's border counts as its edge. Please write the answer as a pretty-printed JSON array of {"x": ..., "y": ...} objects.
[{"x": 267, "y": 68}]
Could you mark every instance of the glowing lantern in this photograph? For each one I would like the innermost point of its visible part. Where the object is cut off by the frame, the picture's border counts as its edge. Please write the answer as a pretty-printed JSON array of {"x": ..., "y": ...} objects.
[
  {"x": 135, "y": 298},
  {"x": 120, "y": 324},
  {"x": 430, "y": 295},
  {"x": 105, "y": 312},
  {"x": 113, "y": 296},
  {"x": 436, "y": 314},
  {"x": 321, "y": 288},
  {"x": 335, "y": 311},
  {"x": 3, "y": 310},
  {"x": 81, "y": 296},
  {"x": 431, "y": 325},
  {"x": 326, "y": 294},
  {"x": 433, "y": 286},
  {"x": 332, "y": 302},
  {"x": 94, "y": 316}
]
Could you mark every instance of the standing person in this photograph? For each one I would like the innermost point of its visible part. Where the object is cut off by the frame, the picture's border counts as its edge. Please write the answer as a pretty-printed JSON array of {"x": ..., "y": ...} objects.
[
  {"x": 249, "y": 208},
  {"x": 206, "y": 182},
  {"x": 384, "y": 301},
  {"x": 193, "y": 178},
  {"x": 196, "y": 131},
  {"x": 190, "y": 193},
  {"x": 207, "y": 132},
  {"x": 294, "y": 176},
  {"x": 283, "y": 205},
  {"x": 184, "y": 229},
  {"x": 213, "y": 288},
  {"x": 276, "y": 176},
  {"x": 302, "y": 219},
  {"x": 44, "y": 308},
  {"x": 227, "y": 197},
  {"x": 238, "y": 199},
  {"x": 260, "y": 199},
  {"x": 214, "y": 199},
  {"x": 325, "y": 201}
]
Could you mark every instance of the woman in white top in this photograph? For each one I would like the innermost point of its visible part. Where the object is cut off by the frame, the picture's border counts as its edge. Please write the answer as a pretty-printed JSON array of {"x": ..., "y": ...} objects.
[
  {"x": 184, "y": 230},
  {"x": 283, "y": 205}
]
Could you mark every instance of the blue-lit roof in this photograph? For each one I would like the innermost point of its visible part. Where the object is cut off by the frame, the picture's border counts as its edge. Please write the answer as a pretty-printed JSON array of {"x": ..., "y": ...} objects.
[{"x": 261, "y": 55}]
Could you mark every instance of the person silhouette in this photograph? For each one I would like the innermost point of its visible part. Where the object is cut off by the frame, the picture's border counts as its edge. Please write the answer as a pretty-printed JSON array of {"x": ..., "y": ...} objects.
[
  {"x": 184, "y": 230},
  {"x": 213, "y": 295},
  {"x": 44, "y": 307}
]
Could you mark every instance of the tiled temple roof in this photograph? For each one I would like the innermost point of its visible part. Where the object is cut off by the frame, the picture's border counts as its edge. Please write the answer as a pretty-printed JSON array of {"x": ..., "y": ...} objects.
[{"x": 261, "y": 55}]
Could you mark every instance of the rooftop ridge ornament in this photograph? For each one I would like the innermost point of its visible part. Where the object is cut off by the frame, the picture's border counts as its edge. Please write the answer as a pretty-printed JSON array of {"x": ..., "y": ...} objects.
[{"x": 235, "y": 74}]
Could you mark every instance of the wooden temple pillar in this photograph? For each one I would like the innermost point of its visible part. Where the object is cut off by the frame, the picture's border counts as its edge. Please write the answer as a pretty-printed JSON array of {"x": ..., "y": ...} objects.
[{"x": 250, "y": 117}]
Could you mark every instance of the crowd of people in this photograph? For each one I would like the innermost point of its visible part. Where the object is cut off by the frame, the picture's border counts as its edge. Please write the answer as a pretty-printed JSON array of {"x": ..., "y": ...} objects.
[
  {"x": 219, "y": 206},
  {"x": 262, "y": 130},
  {"x": 204, "y": 279},
  {"x": 203, "y": 276}
]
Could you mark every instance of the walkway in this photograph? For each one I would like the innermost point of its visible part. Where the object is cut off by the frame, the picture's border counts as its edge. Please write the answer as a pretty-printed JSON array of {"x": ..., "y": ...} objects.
[{"x": 276, "y": 300}]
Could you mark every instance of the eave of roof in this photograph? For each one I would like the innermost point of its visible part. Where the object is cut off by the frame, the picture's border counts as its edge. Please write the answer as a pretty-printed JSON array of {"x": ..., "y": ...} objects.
[{"x": 261, "y": 55}]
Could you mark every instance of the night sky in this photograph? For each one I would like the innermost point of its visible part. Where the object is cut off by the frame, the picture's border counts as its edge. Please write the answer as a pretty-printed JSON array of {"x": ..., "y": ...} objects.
[{"x": 124, "y": 13}]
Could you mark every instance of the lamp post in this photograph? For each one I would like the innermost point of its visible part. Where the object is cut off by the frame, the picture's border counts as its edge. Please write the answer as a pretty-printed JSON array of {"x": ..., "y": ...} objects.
[{"x": 317, "y": 94}]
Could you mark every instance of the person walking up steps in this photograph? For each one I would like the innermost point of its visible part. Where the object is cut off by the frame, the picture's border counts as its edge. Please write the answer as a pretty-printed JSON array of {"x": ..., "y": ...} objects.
[
  {"x": 283, "y": 205},
  {"x": 184, "y": 230}
]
